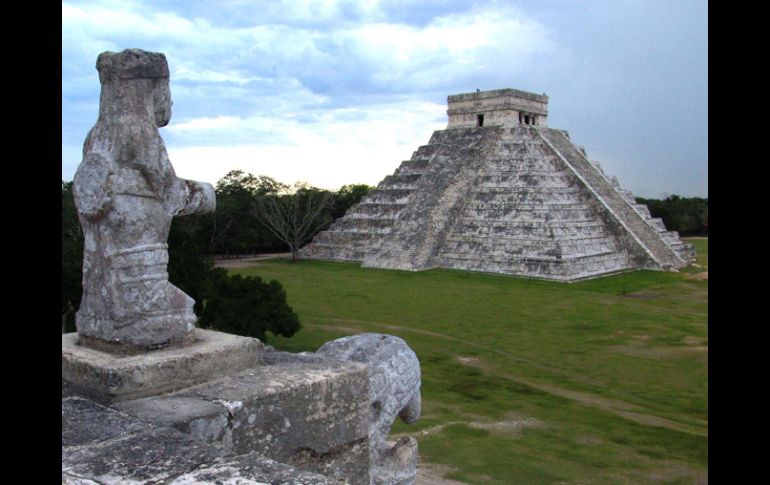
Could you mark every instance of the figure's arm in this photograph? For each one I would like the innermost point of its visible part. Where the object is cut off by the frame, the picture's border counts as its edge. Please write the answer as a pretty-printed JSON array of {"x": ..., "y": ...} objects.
[
  {"x": 198, "y": 197},
  {"x": 179, "y": 196}
]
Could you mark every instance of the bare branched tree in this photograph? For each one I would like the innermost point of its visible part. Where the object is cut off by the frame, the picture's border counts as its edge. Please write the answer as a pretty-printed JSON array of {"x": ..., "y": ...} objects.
[{"x": 295, "y": 215}]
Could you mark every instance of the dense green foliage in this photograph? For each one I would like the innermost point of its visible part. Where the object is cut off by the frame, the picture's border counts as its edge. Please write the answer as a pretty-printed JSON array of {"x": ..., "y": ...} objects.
[
  {"x": 296, "y": 215},
  {"x": 528, "y": 381},
  {"x": 234, "y": 228},
  {"x": 188, "y": 268},
  {"x": 346, "y": 197},
  {"x": 71, "y": 258},
  {"x": 237, "y": 228},
  {"x": 248, "y": 306},
  {"x": 689, "y": 216}
]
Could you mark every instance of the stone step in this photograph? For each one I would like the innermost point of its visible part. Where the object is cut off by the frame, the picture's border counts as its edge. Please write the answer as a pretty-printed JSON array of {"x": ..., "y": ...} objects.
[
  {"x": 642, "y": 210},
  {"x": 398, "y": 180},
  {"x": 522, "y": 215},
  {"x": 334, "y": 252},
  {"x": 347, "y": 224},
  {"x": 564, "y": 269},
  {"x": 614, "y": 200},
  {"x": 416, "y": 166},
  {"x": 389, "y": 195},
  {"x": 528, "y": 238},
  {"x": 524, "y": 180}
]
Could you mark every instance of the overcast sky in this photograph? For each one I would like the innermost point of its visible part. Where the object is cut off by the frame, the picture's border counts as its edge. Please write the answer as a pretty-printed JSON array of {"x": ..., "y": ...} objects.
[{"x": 338, "y": 92}]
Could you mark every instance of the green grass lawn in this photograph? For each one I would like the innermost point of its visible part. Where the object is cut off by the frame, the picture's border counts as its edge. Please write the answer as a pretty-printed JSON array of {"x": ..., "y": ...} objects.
[{"x": 527, "y": 381}]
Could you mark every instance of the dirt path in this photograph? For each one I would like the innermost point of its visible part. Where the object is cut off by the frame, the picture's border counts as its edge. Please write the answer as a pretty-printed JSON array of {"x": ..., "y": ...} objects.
[
  {"x": 626, "y": 410},
  {"x": 247, "y": 262},
  {"x": 430, "y": 474},
  {"x": 703, "y": 276}
]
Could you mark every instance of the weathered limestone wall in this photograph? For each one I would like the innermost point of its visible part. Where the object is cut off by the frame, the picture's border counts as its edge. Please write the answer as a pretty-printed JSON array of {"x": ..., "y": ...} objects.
[
  {"x": 106, "y": 446},
  {"x": 501, "y": 107},
  {"x": 311, "y": 416},
  {"x": 645, "y": 232},
  {"x": 419, "y": 232},
  {"x": 328, "y": 412},
  {"x": 525, "y": 215}
]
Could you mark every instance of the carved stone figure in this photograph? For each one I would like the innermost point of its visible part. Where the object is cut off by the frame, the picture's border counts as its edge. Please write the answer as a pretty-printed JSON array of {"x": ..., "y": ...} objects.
[
  {"x": 394, "y": 380},
  {"x": 126, "y": 193}
]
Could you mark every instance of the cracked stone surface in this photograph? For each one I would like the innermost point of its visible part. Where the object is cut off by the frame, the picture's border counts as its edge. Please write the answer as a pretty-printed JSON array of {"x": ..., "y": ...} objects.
[
  {"x": 394, "y": 382},
  {"x": 127, "y": 193},
  {"x": 312, "y": 416},
  {"x": 78, "y": 416},
  {"x": 103, "y": 446},
  {"x": 107, "y": 377},
  {"x": 201, "y": 419}
]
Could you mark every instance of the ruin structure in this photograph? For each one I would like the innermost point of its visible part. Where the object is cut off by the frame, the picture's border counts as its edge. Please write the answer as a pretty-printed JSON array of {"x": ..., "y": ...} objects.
[
  {"x": 149, "y": 398},
  {"x": 499, "y": 191}
]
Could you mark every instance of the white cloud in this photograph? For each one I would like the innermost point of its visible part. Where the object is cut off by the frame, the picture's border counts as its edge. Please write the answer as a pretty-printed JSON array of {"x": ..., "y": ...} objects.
[
  {"x": 247, "y": 97},
  {"x": 382, "y": 51},
  {"x": 329, "y": 152}
]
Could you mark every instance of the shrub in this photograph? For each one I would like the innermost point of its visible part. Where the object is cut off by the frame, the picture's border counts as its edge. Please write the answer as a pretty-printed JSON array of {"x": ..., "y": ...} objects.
[{"x": 250, "y": 307}]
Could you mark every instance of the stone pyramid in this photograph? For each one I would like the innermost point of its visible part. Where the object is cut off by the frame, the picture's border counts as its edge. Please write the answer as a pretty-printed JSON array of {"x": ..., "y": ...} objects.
[{"x": 498, "y": 191}]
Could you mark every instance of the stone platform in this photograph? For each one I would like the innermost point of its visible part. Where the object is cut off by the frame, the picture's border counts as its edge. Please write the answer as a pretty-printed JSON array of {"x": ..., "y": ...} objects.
[
  {"x": 103, "y": 445},
  {"x": 108, "y": 377},
  {"x": 297, "y": 422},
  {"x": 312, "y": 416}
]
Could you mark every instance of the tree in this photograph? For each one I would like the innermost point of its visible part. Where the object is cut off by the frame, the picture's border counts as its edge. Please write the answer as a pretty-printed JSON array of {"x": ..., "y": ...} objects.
[
  {"x": 248, "y": 306},
  {"x": 295, "y": 216},
  {"x": 188, "y": 268},
  {"x": 234, "y": 228},
  {"x": 347, "y": 197},
  {"x": 71, "y": 258},
  {"x": 689, "y": 216}
]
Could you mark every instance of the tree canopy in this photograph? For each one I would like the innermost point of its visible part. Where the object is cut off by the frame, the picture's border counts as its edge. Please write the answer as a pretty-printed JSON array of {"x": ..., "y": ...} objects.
[
  {"x": 296, "y": 215},
  {"x": 236, "y": 227},
  {"x": 687, "y": 215},
  {"x": 71, "y": 258}
]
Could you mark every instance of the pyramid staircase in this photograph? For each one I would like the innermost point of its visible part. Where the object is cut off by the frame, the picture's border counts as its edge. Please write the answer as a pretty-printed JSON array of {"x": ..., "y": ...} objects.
[
  {"x": 366, "y": 224},
  {"x": 668, "y": 252}
]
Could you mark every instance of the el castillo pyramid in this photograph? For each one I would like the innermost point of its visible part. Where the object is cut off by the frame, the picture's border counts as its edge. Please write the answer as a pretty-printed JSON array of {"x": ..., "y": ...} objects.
[{"x": 498, "y": 191}]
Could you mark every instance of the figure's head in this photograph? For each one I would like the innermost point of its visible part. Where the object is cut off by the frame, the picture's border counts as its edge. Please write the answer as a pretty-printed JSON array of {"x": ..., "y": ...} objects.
[{"x": 136, "y": 64}]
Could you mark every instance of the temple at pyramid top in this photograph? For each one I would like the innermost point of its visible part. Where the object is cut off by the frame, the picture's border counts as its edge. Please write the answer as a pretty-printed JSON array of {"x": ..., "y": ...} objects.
[
  {"x": 500, "y": 107},
  {"x": 498, "y": 191}
]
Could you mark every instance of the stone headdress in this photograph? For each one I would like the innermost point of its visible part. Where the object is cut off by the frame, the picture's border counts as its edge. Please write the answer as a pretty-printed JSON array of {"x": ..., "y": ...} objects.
[{"x": 131, "y": 64}]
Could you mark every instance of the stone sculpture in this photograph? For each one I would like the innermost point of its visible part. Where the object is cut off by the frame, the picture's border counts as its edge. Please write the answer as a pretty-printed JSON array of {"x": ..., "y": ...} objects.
[
  {"x": 126, "y": 193},
  {"x": 394, "y": 392},
  {"x": 394, "y": 380}
]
